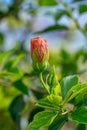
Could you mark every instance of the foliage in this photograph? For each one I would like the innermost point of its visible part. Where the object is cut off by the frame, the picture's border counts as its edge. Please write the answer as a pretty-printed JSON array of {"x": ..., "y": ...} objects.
[
  {"x": 57, "y": 103},
  {"x": 22, "y": 96}
]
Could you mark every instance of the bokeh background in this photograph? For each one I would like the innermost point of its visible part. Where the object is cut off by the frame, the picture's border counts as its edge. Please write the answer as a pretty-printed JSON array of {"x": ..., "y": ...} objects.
[{"x": 63, "y": 23}]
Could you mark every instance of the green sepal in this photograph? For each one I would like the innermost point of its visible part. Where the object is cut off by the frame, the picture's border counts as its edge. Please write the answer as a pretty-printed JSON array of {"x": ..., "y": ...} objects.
[{"x": 39, "y": 66}]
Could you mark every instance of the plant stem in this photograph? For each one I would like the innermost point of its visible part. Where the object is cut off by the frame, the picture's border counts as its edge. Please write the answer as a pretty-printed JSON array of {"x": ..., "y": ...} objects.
[
  {"x": 64, "y": 103},
  {"x": 43, "y": 83}
]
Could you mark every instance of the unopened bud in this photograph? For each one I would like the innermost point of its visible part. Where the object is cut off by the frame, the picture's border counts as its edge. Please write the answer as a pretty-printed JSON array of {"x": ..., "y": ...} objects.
[
  {"x": 52, "y": 81},
  {"x": 39, "y": 53}
]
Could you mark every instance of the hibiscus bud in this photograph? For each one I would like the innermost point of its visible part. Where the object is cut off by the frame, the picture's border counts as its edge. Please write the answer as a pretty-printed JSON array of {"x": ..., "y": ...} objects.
[
  {"x": 52, "y": 81},
  {"x": 39, "y": 53}
]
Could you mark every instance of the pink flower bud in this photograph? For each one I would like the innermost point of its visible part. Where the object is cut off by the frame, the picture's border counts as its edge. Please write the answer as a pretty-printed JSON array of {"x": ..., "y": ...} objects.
[
  {"x": 39, "y": 48},
  {"x": 39, "y": 52}
]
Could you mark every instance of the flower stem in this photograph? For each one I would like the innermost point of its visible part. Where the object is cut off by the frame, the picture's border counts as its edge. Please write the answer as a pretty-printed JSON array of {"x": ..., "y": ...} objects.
[{"x": 43, "y": 83}]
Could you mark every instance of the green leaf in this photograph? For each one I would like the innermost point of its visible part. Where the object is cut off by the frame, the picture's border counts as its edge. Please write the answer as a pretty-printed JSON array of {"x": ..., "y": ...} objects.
[
  {"x": 16, "y": 108},
  {"x": 47, "y": 2},
  {"x": 53, "y": 28},
  {"x": 85, "y": 28},
  {"x": 1, "y": 38},
  {"x": 79, "y": 115},
  {"x": 57, "y": 14},
  {"x": 82, "y": 8},
  {"x": 21, "y": 86},
  {"x": 77, "y": 0},
  {"x": 34, "y": 112},
  {"x": 81, "y": 127},
  {"x": 45, "y": 103},
  {"x": 58, "y": 122},
  {"x": 4, "y": 56},
  {"x": 13, "y": 61},
  {"x": 38, "y": 94},
  {"x": 67, "y": 83},
  {"x": 42, "y": 119},
  {"x": 75, "y": 90},
  {"x": 81, "y": 97},
  {"x": 51, "y": 101}
]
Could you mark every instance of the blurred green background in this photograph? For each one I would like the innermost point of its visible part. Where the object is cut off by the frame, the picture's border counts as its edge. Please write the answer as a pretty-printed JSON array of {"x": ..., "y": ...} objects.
[{"x": 63, "y": 23}]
